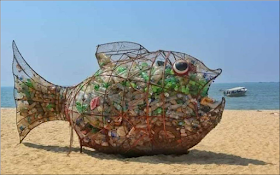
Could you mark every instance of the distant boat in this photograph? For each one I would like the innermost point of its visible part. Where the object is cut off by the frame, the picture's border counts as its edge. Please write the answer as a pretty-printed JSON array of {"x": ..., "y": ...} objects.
[{"x": 235, "y": 92}]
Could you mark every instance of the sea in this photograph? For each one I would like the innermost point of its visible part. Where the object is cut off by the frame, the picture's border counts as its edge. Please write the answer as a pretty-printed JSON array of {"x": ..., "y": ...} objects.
[{"x": 260, "y": 96}]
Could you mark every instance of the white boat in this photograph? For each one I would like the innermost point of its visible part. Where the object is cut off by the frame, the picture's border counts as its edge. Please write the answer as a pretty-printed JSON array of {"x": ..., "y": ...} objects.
[{"x": 235, "y": 92}]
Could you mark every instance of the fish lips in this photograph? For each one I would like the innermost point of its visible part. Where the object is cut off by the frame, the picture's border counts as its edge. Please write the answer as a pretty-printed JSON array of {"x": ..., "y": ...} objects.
[{"x": 215, "y": 114}]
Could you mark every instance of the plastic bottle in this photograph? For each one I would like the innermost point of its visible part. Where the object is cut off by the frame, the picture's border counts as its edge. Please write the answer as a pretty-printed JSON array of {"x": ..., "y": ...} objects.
[
  {"x": 103, "y": 59},
  {"x": 145, "y": 76},
  {"x": 121, "y": 131},
  {"x": 157, "y": 75}
]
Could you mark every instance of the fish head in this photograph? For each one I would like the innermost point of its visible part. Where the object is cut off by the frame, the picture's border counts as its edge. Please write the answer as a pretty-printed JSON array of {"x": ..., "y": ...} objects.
[
  {"x": 188, "y": 71},
  {"x": 191, "y": 79}
]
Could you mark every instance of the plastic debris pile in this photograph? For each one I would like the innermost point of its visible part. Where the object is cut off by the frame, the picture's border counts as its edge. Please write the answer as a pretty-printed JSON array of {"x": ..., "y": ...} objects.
[{"x": 137, "y": 103}]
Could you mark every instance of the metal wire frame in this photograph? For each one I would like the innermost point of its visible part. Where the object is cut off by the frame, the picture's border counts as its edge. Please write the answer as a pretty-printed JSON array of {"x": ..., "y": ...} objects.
[
  {"x": 129, "y": 54},
  {"x": 125, "y": 115}
]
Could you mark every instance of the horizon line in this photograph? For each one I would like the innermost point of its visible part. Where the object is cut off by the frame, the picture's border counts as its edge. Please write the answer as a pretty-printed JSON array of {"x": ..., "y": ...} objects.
[{"x": 212, "y": 83}]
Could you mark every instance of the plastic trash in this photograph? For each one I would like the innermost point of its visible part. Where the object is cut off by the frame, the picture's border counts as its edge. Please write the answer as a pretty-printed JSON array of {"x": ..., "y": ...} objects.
[{"x": 138, "y": 103}]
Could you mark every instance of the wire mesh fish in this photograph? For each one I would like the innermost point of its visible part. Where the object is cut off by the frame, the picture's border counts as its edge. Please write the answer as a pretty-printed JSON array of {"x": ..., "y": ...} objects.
[{"x": 138, "y": 102}]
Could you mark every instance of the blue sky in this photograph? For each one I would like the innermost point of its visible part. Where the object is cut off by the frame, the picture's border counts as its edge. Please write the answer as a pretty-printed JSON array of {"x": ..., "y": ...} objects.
[{"x": 58, "y": 39}]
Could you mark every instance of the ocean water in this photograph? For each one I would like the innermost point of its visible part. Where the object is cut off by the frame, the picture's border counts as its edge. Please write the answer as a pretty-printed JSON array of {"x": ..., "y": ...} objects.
[
  {"x": 7, "y": 97},
  {"x": 260, "y": 96}
]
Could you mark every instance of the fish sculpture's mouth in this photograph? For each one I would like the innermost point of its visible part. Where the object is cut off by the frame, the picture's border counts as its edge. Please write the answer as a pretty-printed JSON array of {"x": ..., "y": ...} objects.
[{"x": 201, "y": 77}]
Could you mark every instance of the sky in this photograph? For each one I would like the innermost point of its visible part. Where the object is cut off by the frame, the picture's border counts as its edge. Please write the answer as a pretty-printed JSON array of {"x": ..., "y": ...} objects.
[{"x": 59, "y": 39}]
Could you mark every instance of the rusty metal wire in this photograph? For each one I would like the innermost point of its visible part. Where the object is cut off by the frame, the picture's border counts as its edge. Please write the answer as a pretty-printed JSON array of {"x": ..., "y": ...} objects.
[{"x": 138, "y": 102}]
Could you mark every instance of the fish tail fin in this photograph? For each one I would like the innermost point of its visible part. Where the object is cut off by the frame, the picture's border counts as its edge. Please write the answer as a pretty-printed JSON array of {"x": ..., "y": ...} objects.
[{"x": 37, "y": 100}]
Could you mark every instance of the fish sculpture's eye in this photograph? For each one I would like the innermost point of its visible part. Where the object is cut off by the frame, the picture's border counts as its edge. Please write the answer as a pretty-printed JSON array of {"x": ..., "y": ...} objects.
[{"x": 181, "y": 67}]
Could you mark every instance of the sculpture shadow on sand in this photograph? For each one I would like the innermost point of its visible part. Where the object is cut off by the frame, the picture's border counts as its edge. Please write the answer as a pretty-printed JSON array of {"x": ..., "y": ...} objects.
[{"x": 193, "y": 157}]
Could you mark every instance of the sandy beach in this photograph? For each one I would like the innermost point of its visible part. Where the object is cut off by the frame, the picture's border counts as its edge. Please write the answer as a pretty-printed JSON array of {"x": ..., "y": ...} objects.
[{"x": 245, "y": 142}]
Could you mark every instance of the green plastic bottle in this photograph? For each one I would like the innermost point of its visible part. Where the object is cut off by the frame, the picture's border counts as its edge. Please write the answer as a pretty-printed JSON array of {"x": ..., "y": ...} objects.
[
  {"x": 145, "y": 76},
  {"x": 121, "y": 69},
  {"x": 96, "y": 87}
]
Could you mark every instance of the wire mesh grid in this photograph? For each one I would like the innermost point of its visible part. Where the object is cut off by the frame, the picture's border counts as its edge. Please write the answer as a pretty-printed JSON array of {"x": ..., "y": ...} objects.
[{"x": 137, "y": 103}]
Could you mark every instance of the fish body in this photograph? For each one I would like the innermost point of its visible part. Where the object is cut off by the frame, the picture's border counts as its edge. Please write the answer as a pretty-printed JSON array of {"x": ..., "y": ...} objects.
[{"x": 138, "y": 102}]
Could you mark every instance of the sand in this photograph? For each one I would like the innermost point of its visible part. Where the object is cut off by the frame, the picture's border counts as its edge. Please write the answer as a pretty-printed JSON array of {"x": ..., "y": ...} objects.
[{"x": 245, "y": 142}]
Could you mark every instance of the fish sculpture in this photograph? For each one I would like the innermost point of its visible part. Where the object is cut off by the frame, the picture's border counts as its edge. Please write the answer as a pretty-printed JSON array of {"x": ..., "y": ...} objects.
[{"x": 138, "y": 102}]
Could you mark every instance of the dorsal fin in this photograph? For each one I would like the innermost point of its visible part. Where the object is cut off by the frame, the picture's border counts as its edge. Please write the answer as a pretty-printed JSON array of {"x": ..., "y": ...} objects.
[{"x": 112, "y": 52}]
